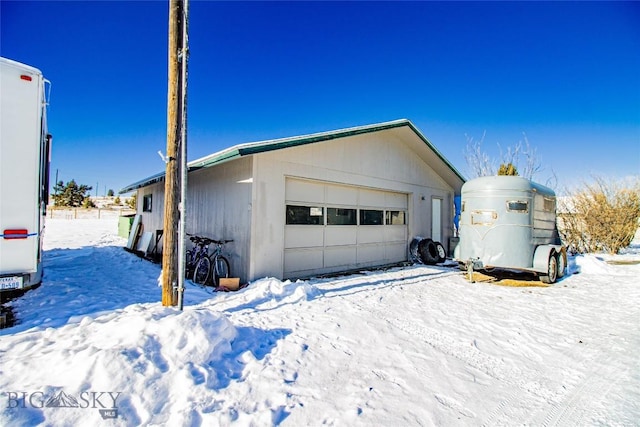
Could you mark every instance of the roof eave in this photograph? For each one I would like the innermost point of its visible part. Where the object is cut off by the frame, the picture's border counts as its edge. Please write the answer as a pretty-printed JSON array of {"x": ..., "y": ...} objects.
[
  {"x": 248, "y": 149},
  {"x": 143, "y": 183},
  {"x": 438, "y": 153}
]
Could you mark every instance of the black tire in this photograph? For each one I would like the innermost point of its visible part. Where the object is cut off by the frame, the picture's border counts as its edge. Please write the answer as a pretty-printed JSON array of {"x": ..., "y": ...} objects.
[
  {"x": 202, "y": 271},
  {"x": 428, "y": 251},
  {"x": 562, "y": 264},
  {"x": 441, "y": 252},
  {"x": 220, "y": 269},
  {"x": 552, "y": 269},
  {"x": 413, "y": 249}
]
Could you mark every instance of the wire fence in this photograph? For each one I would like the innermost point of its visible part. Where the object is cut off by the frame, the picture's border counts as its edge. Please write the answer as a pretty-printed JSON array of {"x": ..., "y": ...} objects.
[{"x": 91, "y": 213}]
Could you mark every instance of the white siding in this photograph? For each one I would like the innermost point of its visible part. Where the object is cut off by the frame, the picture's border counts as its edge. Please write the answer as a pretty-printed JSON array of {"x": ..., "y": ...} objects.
[
  {"x": 218, "y": 206},
  {"x": 245, "y": 200},
  {"x": 152, "y": 221},
  {"x": 387, "y": 167}
]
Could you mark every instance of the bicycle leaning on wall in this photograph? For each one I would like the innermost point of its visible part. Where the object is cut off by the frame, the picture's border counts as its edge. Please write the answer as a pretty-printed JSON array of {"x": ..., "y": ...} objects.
[{"x": 203, "y": 268}]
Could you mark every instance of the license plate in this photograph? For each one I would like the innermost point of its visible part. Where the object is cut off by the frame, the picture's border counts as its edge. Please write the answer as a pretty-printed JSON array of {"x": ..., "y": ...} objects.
[{"x": 13, "y": 282}]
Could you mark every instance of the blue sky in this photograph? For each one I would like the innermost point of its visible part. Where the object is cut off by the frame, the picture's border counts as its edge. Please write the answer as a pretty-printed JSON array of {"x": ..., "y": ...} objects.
[{"x": 567, "y": 74}]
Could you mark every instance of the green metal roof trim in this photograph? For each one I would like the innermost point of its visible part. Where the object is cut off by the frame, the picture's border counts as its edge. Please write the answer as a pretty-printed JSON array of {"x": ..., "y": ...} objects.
[{"x": 278, "y": 144}]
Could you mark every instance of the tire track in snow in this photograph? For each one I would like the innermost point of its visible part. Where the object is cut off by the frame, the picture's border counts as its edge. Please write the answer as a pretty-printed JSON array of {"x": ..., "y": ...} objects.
[
  {"x": 464, "y": 351},
  {"x": 525, "y": 380},
  {"x": 573, "y": 409},
  {"x": 577, "y": 406},
  {"x": 471, "y": 356},
  {"x": 383, "y": 283}
]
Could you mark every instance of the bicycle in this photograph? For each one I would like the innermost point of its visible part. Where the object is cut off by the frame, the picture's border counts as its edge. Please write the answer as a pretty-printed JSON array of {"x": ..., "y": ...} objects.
[
  {"x": 221, "y": 266},
  {"x": 199, "y": 262},
  {"x": 196, "y": 268}
]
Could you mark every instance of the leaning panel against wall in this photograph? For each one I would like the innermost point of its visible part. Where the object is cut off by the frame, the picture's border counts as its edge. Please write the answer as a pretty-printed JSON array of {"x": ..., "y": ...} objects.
[{"x": 150, "y": 204}]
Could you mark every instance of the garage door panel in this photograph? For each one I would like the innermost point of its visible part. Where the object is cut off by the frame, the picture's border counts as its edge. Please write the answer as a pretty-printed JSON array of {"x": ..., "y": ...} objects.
[
  {"x": 396, "y": 252},
  {"x": 340, "y": 235},
  {"x": 395, "y": 233},
  {"x": 316, "y": 249},
  {"x": 301, "y": 236},
  {"x": 371, "y": 234},
  {"x": 395, "y": 200},
  {"x": 370, "y": 253},
  {"x": 370, "y": 197},
  {"x": 339, "y": 256},
  {"x": 340, "y": 195},
  {"x": 304, "y": 191},
  {"x": 303, "y": 259}
]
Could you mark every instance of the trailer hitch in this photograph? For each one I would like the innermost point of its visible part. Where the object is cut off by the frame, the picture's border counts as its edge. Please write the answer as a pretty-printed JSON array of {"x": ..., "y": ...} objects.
[{"x": 471, "y": 264}]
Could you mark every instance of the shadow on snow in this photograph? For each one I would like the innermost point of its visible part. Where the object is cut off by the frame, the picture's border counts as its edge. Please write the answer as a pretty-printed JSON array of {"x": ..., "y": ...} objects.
[{"x": 87, "y": 281}]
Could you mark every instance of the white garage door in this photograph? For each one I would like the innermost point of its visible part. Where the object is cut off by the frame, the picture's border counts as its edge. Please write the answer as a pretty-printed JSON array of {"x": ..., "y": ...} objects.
[{"x": 332, "y": 227}]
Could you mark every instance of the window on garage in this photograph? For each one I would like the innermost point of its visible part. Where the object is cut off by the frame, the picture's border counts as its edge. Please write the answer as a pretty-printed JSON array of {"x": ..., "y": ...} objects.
[
  {"x": 147, "y": 202},
  {"x": 396, "y": 218},
  {"x": 371, "y": 217},
  {"x": 341, "y": 216},
  {"x": 305, "y": 215}
]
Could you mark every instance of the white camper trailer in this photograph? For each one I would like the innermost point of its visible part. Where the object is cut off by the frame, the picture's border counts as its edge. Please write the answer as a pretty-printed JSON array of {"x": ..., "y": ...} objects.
[
  {"x": 24, "y": 173},
  {"x": 509, "y": 222}
]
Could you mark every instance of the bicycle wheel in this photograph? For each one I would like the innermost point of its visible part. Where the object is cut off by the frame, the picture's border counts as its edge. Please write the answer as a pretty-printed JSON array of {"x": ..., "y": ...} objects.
[
  {"x": 188, "y": 265},
  {"x": 220, "y": 268},
  {"x": 202, "y": 270}
]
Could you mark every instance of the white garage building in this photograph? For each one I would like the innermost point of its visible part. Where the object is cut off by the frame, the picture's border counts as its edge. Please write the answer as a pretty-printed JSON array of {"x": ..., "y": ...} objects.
[{"x": 316, "y": 204}]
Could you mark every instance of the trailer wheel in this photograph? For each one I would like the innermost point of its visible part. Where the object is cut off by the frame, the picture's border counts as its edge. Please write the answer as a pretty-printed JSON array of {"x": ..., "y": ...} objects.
[
  {"x": 552, "y": 269},
  {"x": 442, "y": 253},
  {"x": 562, "y": 264}
]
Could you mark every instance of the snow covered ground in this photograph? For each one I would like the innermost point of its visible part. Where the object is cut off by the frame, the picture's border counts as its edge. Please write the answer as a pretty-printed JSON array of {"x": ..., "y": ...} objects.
[{"x": 407, "y": 346}]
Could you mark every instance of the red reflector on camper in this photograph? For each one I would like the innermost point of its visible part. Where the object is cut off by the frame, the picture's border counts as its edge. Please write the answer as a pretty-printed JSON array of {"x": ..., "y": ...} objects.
[
  {"x": 15, "y": 234},
  {"x": 25, "y": 77}
]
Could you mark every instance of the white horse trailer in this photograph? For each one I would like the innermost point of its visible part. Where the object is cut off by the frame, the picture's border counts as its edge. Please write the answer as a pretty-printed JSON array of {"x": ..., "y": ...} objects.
[
  {"x": 24, "y": 173},
  {"x": 509, "y": 222}
]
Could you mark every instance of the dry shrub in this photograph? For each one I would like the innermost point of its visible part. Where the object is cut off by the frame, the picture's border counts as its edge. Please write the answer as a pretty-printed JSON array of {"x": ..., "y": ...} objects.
[{"x": 602, "y": 216}]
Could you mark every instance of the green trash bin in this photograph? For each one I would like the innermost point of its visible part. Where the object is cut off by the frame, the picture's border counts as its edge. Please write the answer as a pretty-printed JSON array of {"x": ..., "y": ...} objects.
[{"x": 124, "y": 225}]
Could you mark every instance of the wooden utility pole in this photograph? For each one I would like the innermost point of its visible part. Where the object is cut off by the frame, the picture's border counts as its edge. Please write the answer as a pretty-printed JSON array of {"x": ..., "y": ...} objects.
[{"x": 174, "y": 131}]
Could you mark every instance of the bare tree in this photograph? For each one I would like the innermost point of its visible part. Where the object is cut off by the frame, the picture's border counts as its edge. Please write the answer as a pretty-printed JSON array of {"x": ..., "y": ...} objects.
[
  {"x": 481, "y": 164},
  {"x": 532, "y": 163},
  {"x": 478, "y": 161}
]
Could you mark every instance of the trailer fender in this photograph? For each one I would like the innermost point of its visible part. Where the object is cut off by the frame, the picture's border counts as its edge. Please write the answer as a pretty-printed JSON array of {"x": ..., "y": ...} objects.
[{"x": 541, "y": 258}]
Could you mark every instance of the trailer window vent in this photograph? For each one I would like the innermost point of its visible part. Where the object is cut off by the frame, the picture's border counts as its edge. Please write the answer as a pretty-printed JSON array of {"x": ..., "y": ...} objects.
[
  {"x": 483, "y": 217},
  {"x": 518, "y": 206},
  {"x": 549, "y": 204}
]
